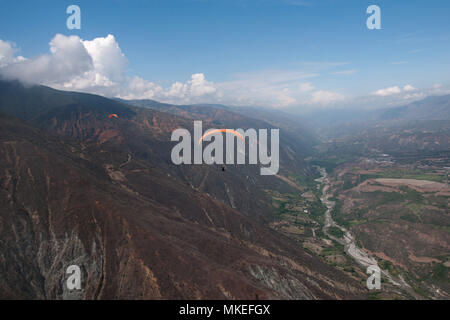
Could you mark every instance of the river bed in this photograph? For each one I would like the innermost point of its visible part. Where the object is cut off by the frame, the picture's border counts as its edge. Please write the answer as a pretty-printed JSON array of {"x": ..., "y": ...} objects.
[{"x": 348, "y": 241}]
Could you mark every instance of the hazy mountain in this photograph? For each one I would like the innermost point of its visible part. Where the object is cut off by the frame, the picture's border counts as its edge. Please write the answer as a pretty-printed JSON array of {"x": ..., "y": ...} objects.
[{"x": 430, "y": 108}]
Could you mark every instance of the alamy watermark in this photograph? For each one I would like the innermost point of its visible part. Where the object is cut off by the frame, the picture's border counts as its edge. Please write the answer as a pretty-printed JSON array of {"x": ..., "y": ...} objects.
[
  {"x": 374, "y": 280},
  {"x": 374, "y": 20},
  {"x": 213, "y": 153},
  {"x": 74, "y": 20},
  {"x": 74, "y": 280}
]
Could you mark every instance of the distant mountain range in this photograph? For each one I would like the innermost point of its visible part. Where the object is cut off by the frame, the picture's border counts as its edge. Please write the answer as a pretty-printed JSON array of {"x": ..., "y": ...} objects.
[{"x": 430, "y": 108}]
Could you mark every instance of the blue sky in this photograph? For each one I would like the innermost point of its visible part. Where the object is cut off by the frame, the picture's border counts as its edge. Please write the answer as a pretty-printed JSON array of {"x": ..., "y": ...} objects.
[{"x": 282, "y": 53}]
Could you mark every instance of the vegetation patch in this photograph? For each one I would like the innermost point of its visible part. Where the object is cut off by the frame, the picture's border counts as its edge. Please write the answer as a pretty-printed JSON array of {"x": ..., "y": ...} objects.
[
  {"x": 401, "y": 174},
  {"x": 336, "y": 232}
]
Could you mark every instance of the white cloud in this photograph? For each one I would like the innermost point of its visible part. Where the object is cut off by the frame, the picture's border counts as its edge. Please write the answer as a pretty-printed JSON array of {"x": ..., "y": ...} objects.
[
  {"x": 7, "y": 54},
  {"x": 414, "y": 96},
  {"x": 326, "y": 97},
  {"x": 96, "y": 66},
  {"x": 109, "y": 61},
  {"x": 388, "y": 91},
  {"x": 409, "y": 87},
  {"x": 67, "y": 58},
  {"x": 189, "y": 92},
  {"x": 394, "y": 90},
  {"x": 195, "y": 87},
  {"x": 108, "y": 68},
  {"x": 139, "y": 88}
]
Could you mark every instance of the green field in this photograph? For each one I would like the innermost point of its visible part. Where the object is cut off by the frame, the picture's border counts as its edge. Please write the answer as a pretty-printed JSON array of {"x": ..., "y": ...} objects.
[{"x": 399, "y": 174}]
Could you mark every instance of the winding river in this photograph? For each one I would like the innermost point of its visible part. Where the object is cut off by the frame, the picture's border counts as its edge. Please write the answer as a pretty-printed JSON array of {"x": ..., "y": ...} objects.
[{"x": 348, "y": 240}]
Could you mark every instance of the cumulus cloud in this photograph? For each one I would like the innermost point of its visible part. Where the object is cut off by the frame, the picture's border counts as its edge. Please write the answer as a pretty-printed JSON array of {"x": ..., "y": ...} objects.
[
  {"x": 198, "y": 87},
  {"x": 139, "y": 88},
  {"x": 388, "y": 91},
  {"x": 409, "y": 87},
  {"x": 414, "y": 96},
  {"x": 107, "y": 70},
  {"x": 8, "y": 54},
  {"x": 394, "y": 90},
  {"x": 195, "y": 87},
  {"x": 108, "y": 59},
  {"x": 67, "y": 58},
  {"x": 96, "y": 66}
]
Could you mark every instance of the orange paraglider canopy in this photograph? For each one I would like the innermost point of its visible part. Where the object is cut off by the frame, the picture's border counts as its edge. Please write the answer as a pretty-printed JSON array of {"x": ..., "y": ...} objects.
[
  {"x": 221, "y": 130},
  {"x": 113, "y": 115}
]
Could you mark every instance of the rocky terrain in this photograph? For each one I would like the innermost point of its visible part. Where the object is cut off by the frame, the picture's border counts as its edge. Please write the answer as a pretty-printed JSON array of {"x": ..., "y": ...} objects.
[{"x": 411, "y": 215}]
